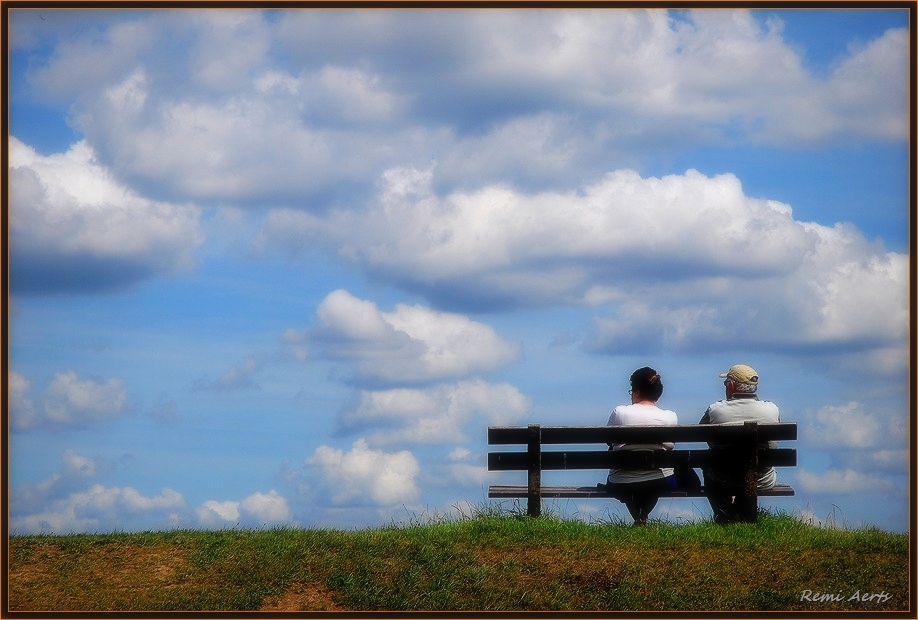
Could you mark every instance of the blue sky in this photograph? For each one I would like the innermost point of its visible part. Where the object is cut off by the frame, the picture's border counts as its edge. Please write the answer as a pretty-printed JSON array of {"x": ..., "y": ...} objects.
[{"x": 284, "y": 268}]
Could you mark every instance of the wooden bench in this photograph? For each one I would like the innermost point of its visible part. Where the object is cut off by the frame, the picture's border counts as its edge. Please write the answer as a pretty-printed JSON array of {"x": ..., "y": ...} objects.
[{"x": 747, "y": 454}]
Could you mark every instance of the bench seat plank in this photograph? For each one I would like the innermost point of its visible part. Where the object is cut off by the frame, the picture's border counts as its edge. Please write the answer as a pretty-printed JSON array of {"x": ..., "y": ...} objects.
[{"x": 513, "y": 490}]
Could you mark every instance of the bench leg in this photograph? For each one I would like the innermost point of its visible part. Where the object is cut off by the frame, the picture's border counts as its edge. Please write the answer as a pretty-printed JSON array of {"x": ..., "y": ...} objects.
[
  {"x": 748, "y": 509},
  {"x": 748, "y": 506},
  {"x": 534, "y": 482}
]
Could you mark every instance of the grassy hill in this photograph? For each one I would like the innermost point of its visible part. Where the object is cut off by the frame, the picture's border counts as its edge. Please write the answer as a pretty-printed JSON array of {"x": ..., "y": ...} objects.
[{"x": 497, "y": 563}]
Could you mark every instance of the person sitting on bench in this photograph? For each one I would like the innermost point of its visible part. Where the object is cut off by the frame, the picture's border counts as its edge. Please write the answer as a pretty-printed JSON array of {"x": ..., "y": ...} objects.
[
  {"x": 640, "y": 489},
  {"x": 724, "y": 484}
]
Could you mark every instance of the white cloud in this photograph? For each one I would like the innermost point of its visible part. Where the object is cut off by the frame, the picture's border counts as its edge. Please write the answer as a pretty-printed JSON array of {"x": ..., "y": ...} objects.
[
  {"x": 832, "y": 520},
  {"x": 79, "y": 465},
  {"x": 687, "y": 262},
  {"x": 877, "y": 67},
  {"x": 853, "y": 289},
  {"x": 353, "y": 95},
  {"x": 362, "y": 475},
  {"x": 550, "y": 247},
  {"x": 74, "y": 227},
  {"x": 269, "y": 508},
  {"x": 100, "y": 508},
  {"x": 409, "y": 344},
  {"x": 280, "y": 138},
  {"x": 229, "y": 47},
  {"x": 546, "y": 146},
  {"x": 243, "y": 107},
  {"x": 84, "y": 64},
  {"x": 842, "y": 482},
  {"x": 22, "y": 412},
  {"x": 845, "y": 426},
  {"x": 438, "y": 414},
  {"x": 729, "y": 70},
  {"x": 69, "y": 401},
  {"x": 891, "y": 460},
  {"x": 459, "y": 454},
  {"x": 214, "y": 514},
  {"x": 77, "y": 471},
  {"x": 258, "y": 509}
]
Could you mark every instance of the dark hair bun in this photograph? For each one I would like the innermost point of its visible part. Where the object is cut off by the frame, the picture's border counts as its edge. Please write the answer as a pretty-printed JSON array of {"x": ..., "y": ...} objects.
[{"x": 647, "y": 381}]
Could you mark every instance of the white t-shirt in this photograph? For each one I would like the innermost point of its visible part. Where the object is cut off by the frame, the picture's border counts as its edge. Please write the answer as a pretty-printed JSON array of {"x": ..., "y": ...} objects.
[{"x": 641, "y": 415}]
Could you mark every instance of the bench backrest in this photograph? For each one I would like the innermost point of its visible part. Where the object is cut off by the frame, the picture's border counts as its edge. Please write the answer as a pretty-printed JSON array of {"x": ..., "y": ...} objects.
[
  {"x": 747, "y": 439},
  {"x": 750, "y": 449}
]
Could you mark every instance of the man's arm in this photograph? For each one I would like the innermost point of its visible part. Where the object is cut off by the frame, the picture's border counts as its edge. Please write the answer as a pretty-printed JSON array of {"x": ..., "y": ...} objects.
[{"x": 706, "y": 418}]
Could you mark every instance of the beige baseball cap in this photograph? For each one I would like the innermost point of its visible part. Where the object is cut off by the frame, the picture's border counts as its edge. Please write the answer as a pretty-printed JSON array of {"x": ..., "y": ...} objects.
[{"x": 742, "y": 374}]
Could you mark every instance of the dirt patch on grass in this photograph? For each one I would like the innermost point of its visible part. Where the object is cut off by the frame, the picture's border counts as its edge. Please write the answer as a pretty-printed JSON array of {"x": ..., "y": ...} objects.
[
  {"x": 302, "y": 597},
  {"x": 107, "y": 577}
]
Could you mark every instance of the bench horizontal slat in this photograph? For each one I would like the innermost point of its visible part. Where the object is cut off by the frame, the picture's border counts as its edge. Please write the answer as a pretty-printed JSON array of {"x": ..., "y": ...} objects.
[
  {"x": 513, "y": 491},
  {"x": 505, "y": 435},
  {"x": 632, "y": 459}
]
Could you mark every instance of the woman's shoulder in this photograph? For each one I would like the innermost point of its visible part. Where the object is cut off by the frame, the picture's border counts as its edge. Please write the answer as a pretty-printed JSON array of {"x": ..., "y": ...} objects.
[
  {"x": 670, "y": 413},
  {"x": 643, "y": 414}
]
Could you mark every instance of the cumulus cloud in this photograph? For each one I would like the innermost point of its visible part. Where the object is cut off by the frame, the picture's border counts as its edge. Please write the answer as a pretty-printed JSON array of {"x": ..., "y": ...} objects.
[
  {"x": 728, "y": 68},
  {"x": 69, "y": 401},
  {"x": 683, "y": 261},
  {"x": 75, "y": 228},
  {"x": 410, "y": 344},
  {"x": 772, "y": 99},
  {"x": 77, "y": 471},
  {"x": 101, "y": 508},
  {"x": 842, "y": 482},
  {"x": 362, "y": 475},
  {"x": 240, "y": 109},
  {"x": 832, "y": 520},
  {"x": 69, "y": 501},
  {"x": 229, "y": 46},
  {"x": 214, "y": 514},
  {"x": 435, "y": 415},
  {"x": 22, "y": 410},
  {"x": 506, "y": 246},
  {"x": 258, "y": 509},
  {"x": 890, "y": 460},
  {"x": 848, "y": 425},
  {"x": 501, "y": 247}
]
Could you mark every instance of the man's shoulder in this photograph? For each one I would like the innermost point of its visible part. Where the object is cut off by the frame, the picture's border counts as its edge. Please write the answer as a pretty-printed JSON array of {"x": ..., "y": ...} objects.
[{"x": 742, "y": 409}]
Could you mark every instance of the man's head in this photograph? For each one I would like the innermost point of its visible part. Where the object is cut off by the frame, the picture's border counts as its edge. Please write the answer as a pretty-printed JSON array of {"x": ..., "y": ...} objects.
[{"x": 740, "y": 379}]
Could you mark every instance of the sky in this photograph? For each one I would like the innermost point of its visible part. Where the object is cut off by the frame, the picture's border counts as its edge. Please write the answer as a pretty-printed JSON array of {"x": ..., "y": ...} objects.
[{"x": 285, "y": 267}]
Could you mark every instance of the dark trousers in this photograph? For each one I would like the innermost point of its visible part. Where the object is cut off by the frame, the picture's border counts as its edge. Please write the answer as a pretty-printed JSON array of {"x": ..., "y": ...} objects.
[
  {"x": 640, "y": 497},
  {"x": 729, "y": 502}
]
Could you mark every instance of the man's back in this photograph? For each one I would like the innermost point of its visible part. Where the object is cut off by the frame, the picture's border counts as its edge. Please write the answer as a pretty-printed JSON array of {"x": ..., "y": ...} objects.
[{"x": 738, "y": 410}]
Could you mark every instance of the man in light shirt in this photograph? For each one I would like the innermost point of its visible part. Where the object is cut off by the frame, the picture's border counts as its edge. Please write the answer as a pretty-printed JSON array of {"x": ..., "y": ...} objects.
[{"x": 724, "y": 486}]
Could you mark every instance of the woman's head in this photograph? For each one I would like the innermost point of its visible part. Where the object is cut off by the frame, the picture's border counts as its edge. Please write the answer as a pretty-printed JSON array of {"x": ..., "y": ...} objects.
[{"x": 647, "y": 383}]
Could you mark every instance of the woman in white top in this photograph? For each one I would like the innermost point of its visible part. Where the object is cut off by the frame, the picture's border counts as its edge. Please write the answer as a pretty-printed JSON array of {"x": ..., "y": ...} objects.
[{"x": 640, "y": 489}]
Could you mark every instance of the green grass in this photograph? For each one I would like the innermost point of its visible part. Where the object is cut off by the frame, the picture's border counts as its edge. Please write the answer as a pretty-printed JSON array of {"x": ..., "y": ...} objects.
[{"x": 488, "y": 561}]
